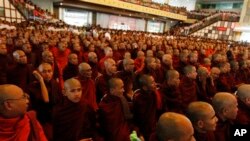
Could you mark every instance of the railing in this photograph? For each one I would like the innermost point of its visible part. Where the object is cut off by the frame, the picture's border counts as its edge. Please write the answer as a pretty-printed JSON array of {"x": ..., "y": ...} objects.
[{"x": 208, "y": 21}]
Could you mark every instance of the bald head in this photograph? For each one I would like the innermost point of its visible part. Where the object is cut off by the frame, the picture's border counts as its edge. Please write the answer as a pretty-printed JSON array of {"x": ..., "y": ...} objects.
[
  {"x": 110, "y": 66},
  {"x": 225, "y": 105},
  {"x": 14, "y": 102},
  {"x": 174, "y": 126},
  {"x": 199, "y": 112},
  {"x": 92, "y": 57},
  {"x": 20, "y": 57},
  {"x": 243, "y": 93},
  {"x": 85, "y": 70},
  {"x": 69, "y": 83}
]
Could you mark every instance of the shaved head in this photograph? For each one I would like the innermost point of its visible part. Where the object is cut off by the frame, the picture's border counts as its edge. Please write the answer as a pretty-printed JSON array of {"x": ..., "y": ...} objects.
[
  {"x": 243, "y": 93},
  {"x": 174, "y": 126},
  {"x": 85, "y": 70},
  {"x": 69, "y": 83}
]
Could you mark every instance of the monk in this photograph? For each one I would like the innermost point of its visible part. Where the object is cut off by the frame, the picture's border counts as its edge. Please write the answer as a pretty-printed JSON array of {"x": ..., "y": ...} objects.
[
  {"x": 188, "y": 86},
  {"x": 173, "y": 127},
  {"x": 243, "y": 116},
  {"x": 128, "y": 77},
  {"x": 171, "y": 92},
  {"x": 139, "y": 61},
  {"x": 147, "y": 105},
  {"x": 21, "y": 73},
  {"x": 226, "y": 108},
  {"x": 3, "y": 63},
  {"x": 167, "y": 62},
  {"x": 93, "y": 62},
  {"x": 88, "y": 85},
  {"x": 115, "y": 113},
  {"x": 101, "y": 81},
  {"x": 71, "y": 69},
  {"x": 108, "y": 54},
  {"x": 203, "y": 118},
  {"x": 16, "y": 123},
  {"x": 73, "y": 119},
  {"x": 225, "y": 82},
  {"x": 44, "y": 94}
]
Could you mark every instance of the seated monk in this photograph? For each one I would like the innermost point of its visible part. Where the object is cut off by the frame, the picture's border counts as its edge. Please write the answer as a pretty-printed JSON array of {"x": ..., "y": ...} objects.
[
  {"x": 173, "y": 127},
  {"x": 88, "y": 85},
  {"x": 188, "y": 86},
  {"x": 243, "y": 116},
  {"x": 226, "y": 108},
  {"x": 115, "y": 113},
  {"x": 73, "y": 120},
  {"x": 203, "y": 118},
  {"x": 147, "y": 105},
  {"x": 16, "y": 123},
  {"x": 71, "y": 69},
  {"x": 171, "y": 94}
]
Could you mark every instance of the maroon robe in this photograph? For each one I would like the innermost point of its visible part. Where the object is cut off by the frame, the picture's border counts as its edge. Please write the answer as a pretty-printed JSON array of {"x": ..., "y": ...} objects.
[
  {"x": 208, "y": 136},
  {"x": 88, "y": 92},
  {"x": 20, "y": 75},
  {"x": 145, "y": 111},
  {"x": 112, "y": 119},
  {"x": 188, "y": 89},
  {"x": 128, "y": 79},
  {"x": 94, "y": 68},
  {"x": 70, "y": 71},
  {"x": 243, "y": 115},
  {"x": 225, "y": 83},
  {"x": 171, "y": 98},
  {"x": 3, "y": 68},
  {"x": 73, "y": 121},
  {"x": 222, "y": 132}
]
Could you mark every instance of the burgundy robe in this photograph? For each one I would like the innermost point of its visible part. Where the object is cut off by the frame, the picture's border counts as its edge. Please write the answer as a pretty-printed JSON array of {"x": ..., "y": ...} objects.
[
  {"x": 70, "y": 71},
  {"x": 222, "y": 132},
  {"x": 20, "y": 75},
  {"x": 225, "y": 83},
  {"x": 3, "y": 68},
  {"x": 88, "y": 92},
  {"x": 171, "y": 98},
  {"x": 188, "y": 89},
  {"x": 73, "y": 121},
  {"x": 112, "y": 119},
  {"x": 208, "y": 136},
  {"x": 243, "y": 115},
  {"x": 145, "y": 111}
]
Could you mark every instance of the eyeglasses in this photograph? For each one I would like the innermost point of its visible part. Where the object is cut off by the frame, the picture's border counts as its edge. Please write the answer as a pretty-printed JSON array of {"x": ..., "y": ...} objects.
[{"x": 24, "y": 96}]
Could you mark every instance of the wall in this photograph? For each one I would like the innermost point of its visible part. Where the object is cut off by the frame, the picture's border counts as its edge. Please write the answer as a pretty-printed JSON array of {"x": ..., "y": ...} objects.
[{"x": 44, "y": 4}]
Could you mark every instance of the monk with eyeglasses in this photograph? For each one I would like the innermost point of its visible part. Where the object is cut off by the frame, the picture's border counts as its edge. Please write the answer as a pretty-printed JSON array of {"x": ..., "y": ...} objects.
[{"x": 16, "y": 123}]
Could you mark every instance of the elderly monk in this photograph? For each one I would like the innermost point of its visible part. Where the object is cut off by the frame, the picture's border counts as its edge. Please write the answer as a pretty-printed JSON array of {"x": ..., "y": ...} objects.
[
  {"x": 115, "y": 113},
  {"x": 173, "y": 127},
  {"x": 226, "y": 108},
  {"x": 16, "y": 123},
  {"x": 203, "y": 118},
  {"x": 102, "y": 81},
  {"x": 73, "y": 119},
  {"x": 21, "y": 73},
  {"x": 147, "y": 105},
  {"x": 88, "y": 85},
  {"x": 243, "y": 116},
  {"x": 44, "y": 94},
  {"x": 93, "y": 62},
  {"x": 108, "y": 54}
]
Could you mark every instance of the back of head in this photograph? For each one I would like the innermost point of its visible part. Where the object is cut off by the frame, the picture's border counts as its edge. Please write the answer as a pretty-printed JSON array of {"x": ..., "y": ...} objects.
[
  {"x": 173, "y": 126},
  {"x": 243, "y": 93},
  {"x": 224, "y": 102}
]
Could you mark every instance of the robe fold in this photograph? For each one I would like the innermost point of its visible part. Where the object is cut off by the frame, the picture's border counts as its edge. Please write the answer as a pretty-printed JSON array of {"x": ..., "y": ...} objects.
[{"x": 73, "y": 121}]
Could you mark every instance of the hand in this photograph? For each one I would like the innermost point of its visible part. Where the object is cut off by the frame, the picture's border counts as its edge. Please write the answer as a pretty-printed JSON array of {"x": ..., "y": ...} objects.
[{"x": 38, "y": 76}]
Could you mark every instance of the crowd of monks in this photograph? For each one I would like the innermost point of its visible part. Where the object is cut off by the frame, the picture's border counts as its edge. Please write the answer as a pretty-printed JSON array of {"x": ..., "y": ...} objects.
[{"x": 121, "y": 87}]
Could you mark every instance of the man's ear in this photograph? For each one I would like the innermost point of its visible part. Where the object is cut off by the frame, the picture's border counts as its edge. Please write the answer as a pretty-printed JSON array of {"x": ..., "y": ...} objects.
[
  {"x": 200, "y": 123},
  {"x": 7, "y": 105}
]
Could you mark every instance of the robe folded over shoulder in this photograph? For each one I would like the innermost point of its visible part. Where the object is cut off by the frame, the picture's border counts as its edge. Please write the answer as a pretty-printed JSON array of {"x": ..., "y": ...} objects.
[
  {"x": 88, "y": 92},
  {"x": 113, "y": 122},
  {"x": 21, "y": 128},
  {"x": 73, "y": 121}
]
